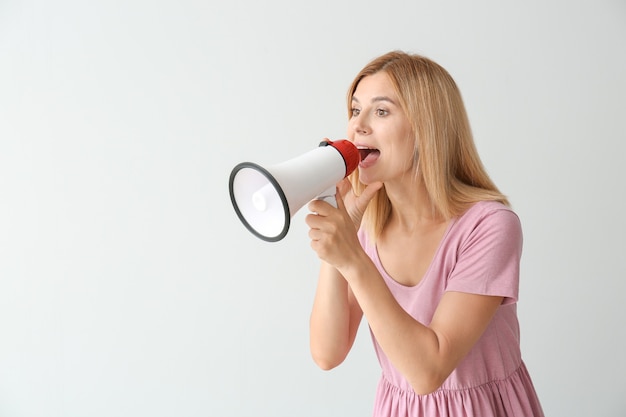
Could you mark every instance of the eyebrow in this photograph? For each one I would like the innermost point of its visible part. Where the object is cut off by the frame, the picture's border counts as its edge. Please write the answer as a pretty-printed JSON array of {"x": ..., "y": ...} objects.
[{"x": 376, "y": 99}]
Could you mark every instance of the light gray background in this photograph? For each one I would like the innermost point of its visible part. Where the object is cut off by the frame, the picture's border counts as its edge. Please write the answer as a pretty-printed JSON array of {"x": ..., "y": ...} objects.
[{"x": 128, "y": 287}]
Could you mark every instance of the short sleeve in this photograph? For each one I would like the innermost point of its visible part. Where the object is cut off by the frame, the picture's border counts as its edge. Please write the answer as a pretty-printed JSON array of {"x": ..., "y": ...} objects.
[{"x": 488, "y": 260}]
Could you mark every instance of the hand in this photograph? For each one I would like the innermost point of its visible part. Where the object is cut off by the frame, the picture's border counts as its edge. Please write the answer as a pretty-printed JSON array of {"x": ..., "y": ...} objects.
[
  {"x": 333, "y": 230},
  {"x": 356, "y": 205}
]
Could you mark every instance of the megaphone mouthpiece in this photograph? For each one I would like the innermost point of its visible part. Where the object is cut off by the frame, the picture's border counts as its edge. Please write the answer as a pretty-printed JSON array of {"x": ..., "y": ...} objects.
[
  {"x": 348, "y": 151},
  {"x": 265, "y": 199}
]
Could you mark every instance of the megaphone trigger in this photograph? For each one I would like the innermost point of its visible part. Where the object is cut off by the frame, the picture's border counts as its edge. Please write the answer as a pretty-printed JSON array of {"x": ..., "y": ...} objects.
[{"x": 329, "y": 196}]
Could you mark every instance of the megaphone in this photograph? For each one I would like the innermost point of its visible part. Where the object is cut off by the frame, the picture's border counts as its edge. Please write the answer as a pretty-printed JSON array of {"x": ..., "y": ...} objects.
[{"x": 265, "y": 199}]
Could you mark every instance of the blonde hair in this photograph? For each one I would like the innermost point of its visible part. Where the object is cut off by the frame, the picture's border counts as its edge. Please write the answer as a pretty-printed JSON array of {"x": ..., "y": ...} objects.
[{"x": 445, "y": 155}]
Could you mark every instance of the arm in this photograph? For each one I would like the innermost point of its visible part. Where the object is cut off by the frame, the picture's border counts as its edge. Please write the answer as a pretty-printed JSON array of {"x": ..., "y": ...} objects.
[
  {"x": 425, "y": 355},
  {"x": 336, "y": 314},
  {"x": 334, "y": 320}
]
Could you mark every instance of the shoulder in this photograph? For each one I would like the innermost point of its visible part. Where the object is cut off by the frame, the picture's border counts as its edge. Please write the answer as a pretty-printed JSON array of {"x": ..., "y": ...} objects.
[
  {"x": 490, "y": 212},
  {"x": 485, "y": 249},
  {"x": 484, "y": 208},
  {"x": 487, "y": 220}
]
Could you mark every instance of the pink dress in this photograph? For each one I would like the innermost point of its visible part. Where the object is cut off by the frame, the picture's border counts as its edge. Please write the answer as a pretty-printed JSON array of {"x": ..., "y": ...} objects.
[{"x": 480, "y": 254}]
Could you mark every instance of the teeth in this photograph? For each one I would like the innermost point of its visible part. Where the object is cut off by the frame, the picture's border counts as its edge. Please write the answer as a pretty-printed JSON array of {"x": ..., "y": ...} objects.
[{"x": 364, "y": 152}]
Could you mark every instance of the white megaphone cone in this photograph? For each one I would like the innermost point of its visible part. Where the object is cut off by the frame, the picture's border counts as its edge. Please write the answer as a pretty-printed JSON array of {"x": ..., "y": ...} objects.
[{"x": 265, "y": 199}]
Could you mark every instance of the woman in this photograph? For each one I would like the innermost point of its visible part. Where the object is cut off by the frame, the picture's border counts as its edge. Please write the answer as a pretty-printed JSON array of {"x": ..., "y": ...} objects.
[{"x": 426, "y": 247}]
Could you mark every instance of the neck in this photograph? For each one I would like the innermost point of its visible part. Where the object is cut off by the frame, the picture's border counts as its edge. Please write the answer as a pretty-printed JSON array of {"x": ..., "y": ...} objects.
[{"x": 411, "y": 206}]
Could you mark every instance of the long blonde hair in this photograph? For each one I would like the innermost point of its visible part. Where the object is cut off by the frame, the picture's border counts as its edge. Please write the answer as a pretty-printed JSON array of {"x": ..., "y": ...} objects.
[{"x": 445, "y": 155}]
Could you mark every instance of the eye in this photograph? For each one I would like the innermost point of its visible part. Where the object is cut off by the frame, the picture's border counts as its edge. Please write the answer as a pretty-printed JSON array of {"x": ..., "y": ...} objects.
[
  {"x": 355, "y": 111},
  {"x": 381, "y": 112}
]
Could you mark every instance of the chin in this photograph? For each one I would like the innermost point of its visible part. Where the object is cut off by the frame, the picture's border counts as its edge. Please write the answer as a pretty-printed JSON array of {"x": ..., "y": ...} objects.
[{"x": 366, "y": 179}]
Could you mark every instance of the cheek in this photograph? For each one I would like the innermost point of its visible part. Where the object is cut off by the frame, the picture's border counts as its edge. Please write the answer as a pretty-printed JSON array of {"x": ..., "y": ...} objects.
[
  {"x": 350, "y": 130},
  {"x": 402, "y": 157},
  {"x": 408, "y": 161},
  {"x": 409, "y": 152}
]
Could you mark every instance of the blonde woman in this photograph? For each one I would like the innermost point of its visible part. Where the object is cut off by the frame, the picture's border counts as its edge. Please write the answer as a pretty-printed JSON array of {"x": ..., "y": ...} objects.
[{"x": 425, "y": 246}]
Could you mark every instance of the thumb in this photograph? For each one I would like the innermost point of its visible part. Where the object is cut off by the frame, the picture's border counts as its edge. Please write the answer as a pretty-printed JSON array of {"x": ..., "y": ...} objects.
[
  {"x": 367, "y": 195},
  {"x": 339, "y": 199},
  {"x": 360, "y": 203}
]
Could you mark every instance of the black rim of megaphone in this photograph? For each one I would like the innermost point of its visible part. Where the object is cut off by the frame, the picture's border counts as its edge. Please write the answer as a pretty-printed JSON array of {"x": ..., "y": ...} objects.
[{"x": 278, "y": 188}]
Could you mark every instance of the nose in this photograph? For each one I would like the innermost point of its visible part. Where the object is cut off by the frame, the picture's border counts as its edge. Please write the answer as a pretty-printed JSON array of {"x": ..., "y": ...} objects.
[{"x": 359, "y": 125}]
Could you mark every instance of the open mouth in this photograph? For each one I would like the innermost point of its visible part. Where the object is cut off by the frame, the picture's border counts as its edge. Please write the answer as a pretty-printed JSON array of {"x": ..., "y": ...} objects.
[{"x": 368, "y": 156}]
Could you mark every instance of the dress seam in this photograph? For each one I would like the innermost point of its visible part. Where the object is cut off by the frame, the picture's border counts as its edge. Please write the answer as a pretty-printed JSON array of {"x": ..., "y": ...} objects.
[{"x": 444, "y": 390}]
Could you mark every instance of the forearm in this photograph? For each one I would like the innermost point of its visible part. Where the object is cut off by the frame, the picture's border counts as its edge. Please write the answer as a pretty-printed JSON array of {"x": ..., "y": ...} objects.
[
  {"x": 414, "y": 349},
  {"x": 334, "y": 319}
]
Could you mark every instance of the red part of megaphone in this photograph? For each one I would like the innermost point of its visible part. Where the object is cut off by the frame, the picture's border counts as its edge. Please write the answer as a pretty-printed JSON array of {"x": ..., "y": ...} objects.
[{"x": 348, "y": 151}]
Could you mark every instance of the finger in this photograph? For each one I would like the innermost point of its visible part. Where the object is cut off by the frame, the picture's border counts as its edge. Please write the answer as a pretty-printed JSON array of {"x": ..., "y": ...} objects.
[
  {"x": 320, "y": 207},
  {"x": 312, "y": 220},
  {"x": 369, "y": 193},
  {"x": 339, "y": 197},
  {"x": 315, "y": 221},
  {"x": 314, "y": 234},
  {"x": 344, "y": 186}
]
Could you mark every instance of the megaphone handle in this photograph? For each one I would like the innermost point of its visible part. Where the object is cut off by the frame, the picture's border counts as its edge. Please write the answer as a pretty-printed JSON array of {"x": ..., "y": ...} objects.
[{"x": 329, "y": 196}]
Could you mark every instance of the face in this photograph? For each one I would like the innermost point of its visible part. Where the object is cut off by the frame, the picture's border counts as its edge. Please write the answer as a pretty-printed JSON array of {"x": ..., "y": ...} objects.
[{"x": 381, "y": 131}]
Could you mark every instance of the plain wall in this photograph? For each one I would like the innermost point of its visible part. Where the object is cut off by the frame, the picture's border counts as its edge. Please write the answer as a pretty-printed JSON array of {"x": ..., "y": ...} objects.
[{"x": 128, "y": 287}]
